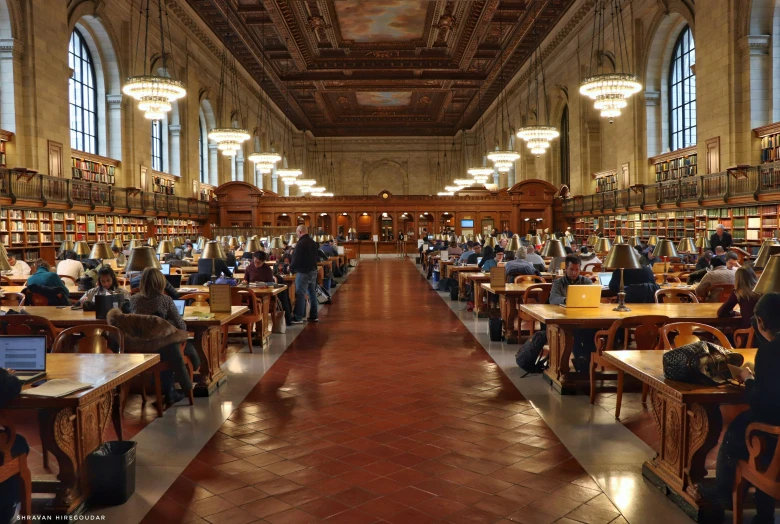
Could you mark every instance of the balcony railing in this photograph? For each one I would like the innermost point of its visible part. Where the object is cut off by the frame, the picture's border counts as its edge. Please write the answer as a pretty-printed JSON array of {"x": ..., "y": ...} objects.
[
  {"x": 17, "y": 184},
  {"x": 738, "y": 182}
]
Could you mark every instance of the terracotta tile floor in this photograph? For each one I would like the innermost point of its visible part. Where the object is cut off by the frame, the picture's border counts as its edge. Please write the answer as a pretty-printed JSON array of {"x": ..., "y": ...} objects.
[{"x": 386, "y": 411}]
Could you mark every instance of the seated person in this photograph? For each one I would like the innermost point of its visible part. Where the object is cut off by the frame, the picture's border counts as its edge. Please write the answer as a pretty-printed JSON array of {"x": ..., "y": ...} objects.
[
  {"x": 283, "y": 266},
  {"x": 258, "y": 270},
  {"x": 121, "y": 259},
  {"x": 230, "y": 260},
  {"x": 19, "y": 268},
  {"x": 488, "y": 261},
  {"x": 647, "y": 258},
  {"x": 704, "y": 260},
  {"x": 216, "y": 266},
  {"x": 135, "y": 283},
  {"x": 720, "y": 274},
  {"x": 520, "y": 266},
  {"x": 328, "y": 249},
  {"x": 642, "y": 275},
  {"x": 467, "y": 253},
  {"x": 45, "y": 277},
  {"x": 476, "y": 255},
  {"x": 763, "y": 393},
  {"x": 71, "y": 267},
  {"x": 732, "y": 261},
  {"x": 151, "y": 300},
  {"x": 106, "y": 284},
  {"x": 744, "y": 281},
  {"x": 501, "y": 247},
  {"x": 11, "y": 489},
  {"x": 587, "y": 257},
  {"x": 454, "y": 250},
  {"x": 584, "y": 343},
  {"x": 534, "y": 258},
  {"x": 720, "y": 253}
]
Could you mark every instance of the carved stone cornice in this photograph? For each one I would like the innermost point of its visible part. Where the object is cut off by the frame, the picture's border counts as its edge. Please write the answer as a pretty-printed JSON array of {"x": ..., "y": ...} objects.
[
  {"x": 754, "y": 45},
  {"x": 11, "y": 48},
  {"x": 652, "y": 98},
  {"x": 114, "y": 100}
]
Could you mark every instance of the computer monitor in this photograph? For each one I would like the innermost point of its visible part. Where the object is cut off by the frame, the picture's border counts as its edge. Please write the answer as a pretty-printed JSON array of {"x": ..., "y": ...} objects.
[
  {"x": 165, "y": 269},
  {"x": 605, "y": 279},
  {"x": 24, "y": 354},
  {"x": 180, "y": 306},
  {"x": 174, "y": 280}
]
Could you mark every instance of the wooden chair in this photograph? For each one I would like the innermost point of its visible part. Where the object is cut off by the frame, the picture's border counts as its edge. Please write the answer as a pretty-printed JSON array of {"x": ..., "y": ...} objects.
[
  {"x": 719, "y": 292},
  {"x": 675, "y": 296},
  {"x": 12, "y": 300},
  {"x": 69, "y": 280},
  {"x": 164, "y": 366},
  {"x": 743, "y": 338},
  {"x": 244, "y": 297},
  {"x": 36, "y": 299},
  {"x": 645, "y": 329},
  {"x": 535, "y": 294},
  {"x": 752, "y": 471},
  {"x": 199, "y": 299},
  {"x": 686, "y": 334},
  {"x": 29, "y": 325},
  {"x": 529, "y": 278},
  {"x": 10, "y": 467}
]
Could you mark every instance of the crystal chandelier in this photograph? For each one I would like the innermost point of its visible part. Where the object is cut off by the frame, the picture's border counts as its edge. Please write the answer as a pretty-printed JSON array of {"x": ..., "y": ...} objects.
[
  {"x": 610, "y": 89},
  {"x": 502, "y": 157},
  {"x": 464, "y": 182},
  {"x": 315, "y": 190},
  {"x": 155, "y": 93},
  {"x": 452, "y": 189},
  {"x": 479, "y": 171},
  {"x": 445, "y": 193},
  {"x": 305, "y": 184},
  {"x": 229, "y": 140},
  {"x": 265, "y": 162},
  {"x": 326, "y": 194},
  {"x": 538, "y": 137},
  {"x": 288, "y": 175}
]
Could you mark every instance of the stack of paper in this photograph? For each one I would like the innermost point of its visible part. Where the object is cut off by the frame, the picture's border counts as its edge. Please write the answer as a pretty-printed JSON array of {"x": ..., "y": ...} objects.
[{"x": 58, "y": 387}]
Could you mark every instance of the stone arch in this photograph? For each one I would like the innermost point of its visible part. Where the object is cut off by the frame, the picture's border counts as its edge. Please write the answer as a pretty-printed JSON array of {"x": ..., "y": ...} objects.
[
  {"x": 665, "y": 27},
  {"x": 10, "y": 64},
  {"x": 209, "y": 121},
  {"x": 102, "y": 45},
  {"x": 392, "y": 176}
]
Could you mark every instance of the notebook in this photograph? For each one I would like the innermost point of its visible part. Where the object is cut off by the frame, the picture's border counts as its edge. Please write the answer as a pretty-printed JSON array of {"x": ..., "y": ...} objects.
[
  {"x": 24, "y": 354},
  {"x": 165, "y": 269},
  {"x": 605, "y": 279},
  {"x": 583, "y": 296},
  {"x": 58, "y": 387},
  {"x": 180, "y": 306}
]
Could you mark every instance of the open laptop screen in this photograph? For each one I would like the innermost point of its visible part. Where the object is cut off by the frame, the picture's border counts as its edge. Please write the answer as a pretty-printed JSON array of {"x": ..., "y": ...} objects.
[
  {"x": 23, "y": 353},
  {"x": 180, "y": 306},
  {"x": 165, "y": 269},
  {"x": 605, "y": 278}
]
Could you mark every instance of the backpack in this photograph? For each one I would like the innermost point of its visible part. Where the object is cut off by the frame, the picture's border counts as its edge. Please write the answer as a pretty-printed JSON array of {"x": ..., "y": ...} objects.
[
  {"x": 443, "y": 285},
  {"x": 529, "y": 356},
  {"x": 322, "y": 296},
  {"x": 454, "y": 290}
]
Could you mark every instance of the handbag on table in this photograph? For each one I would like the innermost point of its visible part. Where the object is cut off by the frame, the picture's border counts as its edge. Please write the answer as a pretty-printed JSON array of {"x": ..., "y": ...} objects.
[{"x": 700, "y": 363}]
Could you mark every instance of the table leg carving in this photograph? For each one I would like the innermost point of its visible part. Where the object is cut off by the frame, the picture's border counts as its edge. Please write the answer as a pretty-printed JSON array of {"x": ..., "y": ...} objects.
[
  {"x": 58, "y": 431},
  {"x": 208, "y": 345},
  {"x": 705, "y": 423}
]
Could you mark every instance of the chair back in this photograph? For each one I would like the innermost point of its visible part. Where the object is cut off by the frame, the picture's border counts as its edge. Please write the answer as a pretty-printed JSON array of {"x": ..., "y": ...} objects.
[
  {"x": 592, "y": 267},
  {"x": 719, "y": 292},
  {"x": 245, "y": 297},
  {"x": 198, "y": 279},
  {"x": 646, "y": 330},
  {"x": 675, "y": 296},
  {"x": 36, "y": 295},
  {"x": 29, "y": 325},
  {"x": 529, "y": 278},
  {"x": 12, "y": 300},
  {"x": 537, "y": 294},
  {"x": 198, "y": 299},
  {"x": 90, "y": 338},
  {"x": 744, "y": 338},
  {"x": 681, "y": 333}
]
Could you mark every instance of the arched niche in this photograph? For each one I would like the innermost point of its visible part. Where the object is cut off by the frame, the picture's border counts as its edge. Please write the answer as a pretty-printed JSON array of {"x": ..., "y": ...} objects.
[{"x": 387, "y": 175}]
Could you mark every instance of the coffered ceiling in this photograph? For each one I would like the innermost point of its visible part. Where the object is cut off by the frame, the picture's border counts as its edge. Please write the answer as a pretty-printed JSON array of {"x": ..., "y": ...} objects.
[{"x": 381, "y": 67}]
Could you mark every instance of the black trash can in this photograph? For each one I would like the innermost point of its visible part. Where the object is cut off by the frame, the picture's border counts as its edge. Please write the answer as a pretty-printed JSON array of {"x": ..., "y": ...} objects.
[{"x": 111, "y": 470}]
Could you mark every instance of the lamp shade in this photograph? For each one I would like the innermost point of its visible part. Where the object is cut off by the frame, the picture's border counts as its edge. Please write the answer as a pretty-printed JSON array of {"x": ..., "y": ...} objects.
[
  {"x": 554, "y": 248},
  {"x": 603, "y": 245},
  {"x": 618, "y": 239},
  {"x": 201, "y": 243},
  {"x": 151, "y": 241},
  {"x": 133, "y": 244},
  {"x": 81, "y": 248},
  {"x": 176, "y": 242},
  {"x": 4, "y": 265},
  {"x": 351, "y": 230},
  {"x": 769, "y": 281},
  {"x": 528, "y": 237},
  {"x": 140, "y": 258},
  {"x": 686, "y": 245},
  {"x": 117, "y": 243},
  {"x": 490, "y": 241},
  {"x": 276, "y": 243},
  {"x": 665, "y": 248},
  {"x": 242, "y": 239},
  {"x": 291, "y": 239},
  {"x": 513, "y": 245},
  {"x": 212, "y": 250},
  {"x": 702, "y": 242},
  {"x": 253, "y": 245},
  {"x": 535, "y": 240},
  {"x": 165, "y": 247},
  {"x": 233, "y": 243},
  {"x": 634, "y": 241},
  {"x": 622, "y": 256},
  {"x": 652, "y": 241},
  {"x": 101, "y": 251},
  {"x": 67, "y": 245},
  {"x": 768, "y": 248}
]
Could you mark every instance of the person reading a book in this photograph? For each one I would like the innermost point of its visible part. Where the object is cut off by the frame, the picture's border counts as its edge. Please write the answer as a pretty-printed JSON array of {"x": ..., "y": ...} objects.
[
  {"x": 258, "y": 270},
  {"x": 763, "y": 393},
  {"x": 11, "y": 489},
  {"x": 107, "y": 284}
]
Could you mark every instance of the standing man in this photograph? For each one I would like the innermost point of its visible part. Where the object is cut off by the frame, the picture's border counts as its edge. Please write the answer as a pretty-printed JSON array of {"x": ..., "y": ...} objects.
[
  {"x": 721, "y": 238},
  {"x": 19, "y": 268},
  {"x": 304, "y": 265}
]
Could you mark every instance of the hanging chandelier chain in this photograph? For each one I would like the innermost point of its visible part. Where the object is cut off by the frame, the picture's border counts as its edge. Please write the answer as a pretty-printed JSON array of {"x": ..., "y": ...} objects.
[{"x": 170, "y": 42}]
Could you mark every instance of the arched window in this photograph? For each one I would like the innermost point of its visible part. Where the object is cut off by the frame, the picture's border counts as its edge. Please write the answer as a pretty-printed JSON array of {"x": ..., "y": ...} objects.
[
  {"x": 201, "y": 156},
  {"x": 682, "y": 93},
  {"x": 157, "y": 145},
  {"x": 82, "y": 95},
  {"x": 564, "y": 147}
]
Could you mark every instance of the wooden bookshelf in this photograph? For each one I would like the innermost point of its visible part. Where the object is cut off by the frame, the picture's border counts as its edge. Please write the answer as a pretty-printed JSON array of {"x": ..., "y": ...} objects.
[
  {"x": 675, "y": 165},
  {"x": 605, "y": 180},
  {"x": 93, "y": 168},
  {"x": 163, "y": 183},
  {"x": 770, "y": 142},
  {"x": 206, "y": 193},
  {"x": 177, "y": 227}
]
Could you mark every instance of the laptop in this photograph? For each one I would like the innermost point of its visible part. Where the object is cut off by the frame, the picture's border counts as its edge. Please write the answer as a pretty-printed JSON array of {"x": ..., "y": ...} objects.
[
  {"x": 24, "y": 354},
  {"x": 165, "y": 269},
  {"x": 479, "y": 260},
  {"x": 180, "y": 306},
  {"x": 233, "y": 269},
  {"x": 583, "y": 296},
  {"x": 605, "y": 279},
  {"x": 174, "y": 280}
]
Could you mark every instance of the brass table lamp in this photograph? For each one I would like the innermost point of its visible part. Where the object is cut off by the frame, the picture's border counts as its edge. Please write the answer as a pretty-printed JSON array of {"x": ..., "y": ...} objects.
[
  {"x": 554, "y": 248},
  {"x": 618, "y": 239},
  {"x": 653, "y": 240},
  {"x": 101, "y": 251},
  {"x": 768, "y": 248},
  {"x": 665, "y": 249},
  {"x": 603, "y": 245},
  {"x": 769, "y": 281},
  {"x": 686, "y": 245},
  {"x": 140, "y": 258},
  {"x": 535, "y": 240},
  {"x": 213, "y": 251},
  {"x": 81, "y": 248},
  {"x": 165, "y": 247},
  {"x": 622, "y": 256}
]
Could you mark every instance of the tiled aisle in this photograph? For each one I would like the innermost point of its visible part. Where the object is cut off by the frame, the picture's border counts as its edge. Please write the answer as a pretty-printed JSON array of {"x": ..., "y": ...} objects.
[{"x": 387, "y": 410}]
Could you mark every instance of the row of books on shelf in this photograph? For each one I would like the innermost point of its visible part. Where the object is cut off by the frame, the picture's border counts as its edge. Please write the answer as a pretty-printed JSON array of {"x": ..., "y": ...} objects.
[
  {"x": 770, "y": 148},
  {"x": 676, "y": 168},
  {"x": 92, "y": 171},
  {"x": 606, "y": 183}
]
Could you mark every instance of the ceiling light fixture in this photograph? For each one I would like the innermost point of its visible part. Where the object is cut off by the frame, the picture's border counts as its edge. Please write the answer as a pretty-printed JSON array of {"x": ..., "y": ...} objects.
[
  {"x": 610, "y": 90},
  {"x": 229, "y": 140},
  {"x": 445, "y": 193},
  {"x": 288, "y": 175},
  {"x": 502, "y": 157}
]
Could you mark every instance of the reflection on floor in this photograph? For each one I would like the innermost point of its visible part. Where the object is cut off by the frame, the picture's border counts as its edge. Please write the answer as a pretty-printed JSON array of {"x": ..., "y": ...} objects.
[{"x": 389, "y": 410}]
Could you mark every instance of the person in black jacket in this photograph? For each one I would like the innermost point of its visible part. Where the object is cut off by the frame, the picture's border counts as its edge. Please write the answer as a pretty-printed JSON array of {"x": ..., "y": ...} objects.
[
  {"x": 721, "y": 238},
  {"x": 304, "y": 265},
  {"x": 217, "y": 265},
  {"x": 10, "y": 490},
  {"x": 643, "y": 275},
  {"x": 763, "y": 392}
]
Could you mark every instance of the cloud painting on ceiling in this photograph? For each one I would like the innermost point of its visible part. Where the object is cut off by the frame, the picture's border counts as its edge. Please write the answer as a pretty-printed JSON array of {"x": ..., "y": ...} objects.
[
  {"x": 384, "y": 98},
  {"x": 381, "y": 20}
]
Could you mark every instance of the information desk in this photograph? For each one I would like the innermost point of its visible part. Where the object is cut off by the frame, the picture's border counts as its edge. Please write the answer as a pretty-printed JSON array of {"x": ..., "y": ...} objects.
[
  {"x": 562, "y": 322},
  {"x": 689, "y": 421},
  {"x": 207, "y": 337},
  {"x": 73, "y": 426}
]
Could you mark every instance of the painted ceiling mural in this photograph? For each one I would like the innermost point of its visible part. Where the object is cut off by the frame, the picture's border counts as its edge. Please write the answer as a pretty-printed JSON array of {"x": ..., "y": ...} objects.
[
  {"x": 381, "y": 20},
  {"x": 381, "y": 67}
]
